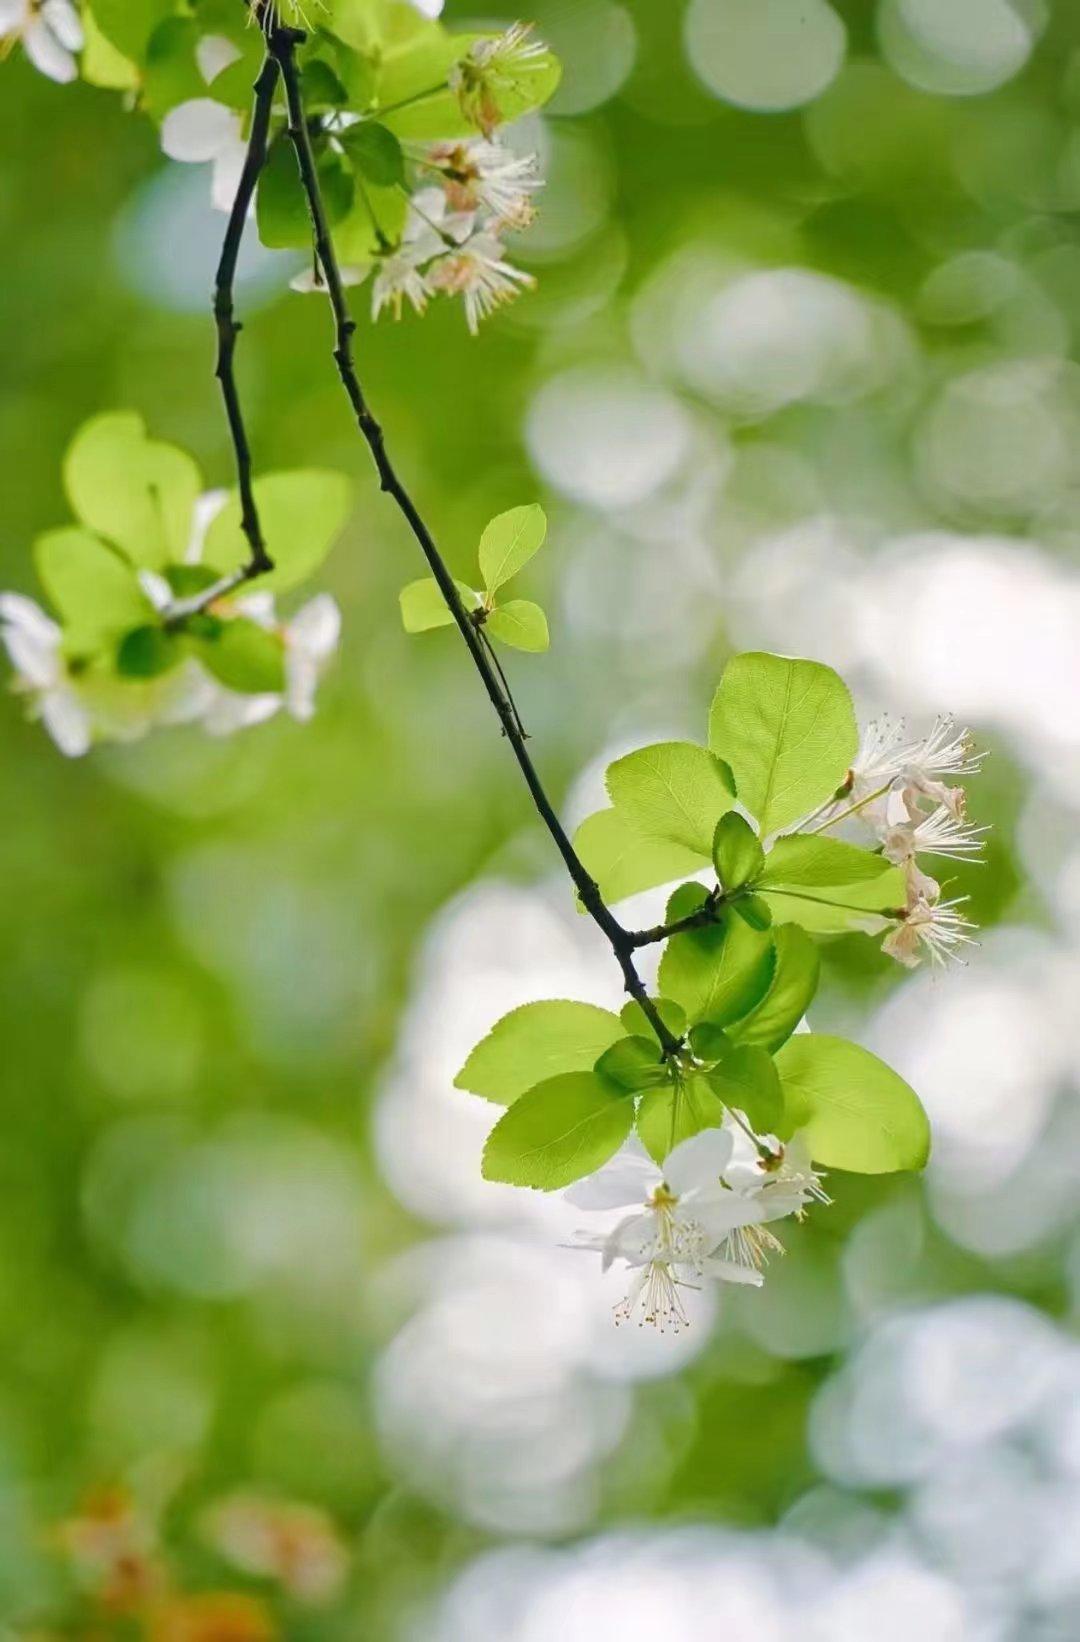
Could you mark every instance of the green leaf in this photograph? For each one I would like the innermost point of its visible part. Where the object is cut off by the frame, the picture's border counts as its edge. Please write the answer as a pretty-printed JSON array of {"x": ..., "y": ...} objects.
[
  {"x": 831, "y": 910},
  {"x": 796, "y": 970},
  {"x": 673, "y": 790},
  {"x": 552, "y": 1135},
  {"x": 376, "y": 154},
  {"x": 280, "y": 205},
  {"x": 637, "y": 1023},
  {"x": 186, "y": 580},
  {"x": 807, "y": 861},
  {"x": 856, "y": 1112},
  {"x": 697, "y": 1108},
  {"x": 718, "y": 972},
  {"x": 623, "y": 861},
  {"x": 788, "y": 730},
  {"x": 737, "y": 855},
  {"x": 134, "y": 491},
  {"x": 509, "y": 542},
  {"x": 101, "y": 64},
  {"x": 128, "y": 24},
  {"x": 634, "y": 1063},
  {"x": 423, "y": 606},
  {"x": 709, "y": 1042},
  {"x": 301, "y": 513},
  {"x": 536, "y": 1042},
  {"x": 375, "y": 221},
  {"x": 93, "y": 589},
  {"x": 746, "y": 1079},
  {"x": 245, "y": 657},
  {"x": 171, "y": 75},
  {"x": 148, "y": 651},
  {"x": 520, "y": 624},
  {"x": 753, "y": 910}
]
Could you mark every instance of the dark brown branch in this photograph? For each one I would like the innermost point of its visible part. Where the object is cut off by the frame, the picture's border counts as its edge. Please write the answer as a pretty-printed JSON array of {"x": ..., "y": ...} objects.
[
  {"x": 282, "y": 43},
  {"x": 706, "y": 914}
]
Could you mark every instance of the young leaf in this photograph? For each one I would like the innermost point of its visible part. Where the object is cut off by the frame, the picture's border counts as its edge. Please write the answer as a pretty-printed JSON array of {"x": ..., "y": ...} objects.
[
  {"x": 424, "y": 608},
  {"x": 788, "y": 730},
  {"x": 672, "y": 790},
  {"x": 136, "y": 492},
  {"x": 794, "y": 981},
  {"x": 737, "y": 855},
  {"x": 509, "y": 542},
  {"x": 148, "y": 651},
  {"x": 245, "y": 657},
  {"x": 301, "y": 512},
  {"x": 717, "y": 972},
  {"x": 101, "y": 64},
  {"x": 856, "y": 1112},
  {"x": 552, "y": 1135},
  {"x": 693, "y": 1107},
  {"x": 535, "y": 1042},
  {"x": 633, "y": 1063},
  {"x": 747, "y": 1080},
  {"x": 623, "y": 862},
  {"x": 375, "y": 152},
  {"x": 520, "y": 624},
  {"x": 637, "y": 1023},
  {"x": 802, "y": 860},
  {"x": 93, "y": 589}
]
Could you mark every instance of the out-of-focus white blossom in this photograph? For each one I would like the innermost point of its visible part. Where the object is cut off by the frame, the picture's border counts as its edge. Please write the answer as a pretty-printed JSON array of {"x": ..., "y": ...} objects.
[{"x": 50, "y": 32}]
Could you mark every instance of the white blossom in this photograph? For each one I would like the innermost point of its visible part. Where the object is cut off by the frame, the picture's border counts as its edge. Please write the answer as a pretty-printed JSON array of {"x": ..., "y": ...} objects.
[
  {"x": 687, "y": 1224},
  {"x": 50, "y": 31},
  {"x": 486, "y": 176},
  {"x": 939, "y": 833},
  {"x": 785, "y": 1179},
  {"x": 203, "y": 131},
  {"x": 880, "y": 757},
  {"x": 933, "y": 929},
  {"x": 478, "y": 272},
  {"x": 491, "y": 66},
  {"x": 34, "y": 643}
]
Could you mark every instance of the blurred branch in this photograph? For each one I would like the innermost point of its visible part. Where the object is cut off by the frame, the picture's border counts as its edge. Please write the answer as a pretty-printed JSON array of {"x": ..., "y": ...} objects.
[{"x": 281, "y": 44}]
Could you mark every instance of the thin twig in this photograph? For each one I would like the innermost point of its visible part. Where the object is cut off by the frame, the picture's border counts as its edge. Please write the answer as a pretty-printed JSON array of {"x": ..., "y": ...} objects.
[{"x": 282, "y": 43}]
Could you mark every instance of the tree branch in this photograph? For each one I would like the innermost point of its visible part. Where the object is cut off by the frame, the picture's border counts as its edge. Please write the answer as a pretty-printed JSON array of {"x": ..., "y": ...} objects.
[{"x": 281, "y": 44}]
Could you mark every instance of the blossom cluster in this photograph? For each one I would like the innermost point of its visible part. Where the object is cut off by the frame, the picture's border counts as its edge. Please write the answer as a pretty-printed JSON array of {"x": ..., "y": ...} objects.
[
  {"x": 902, "y": 790},
  {"x": 81, "y": 704},
  {"x": 704, "y": 1215}
]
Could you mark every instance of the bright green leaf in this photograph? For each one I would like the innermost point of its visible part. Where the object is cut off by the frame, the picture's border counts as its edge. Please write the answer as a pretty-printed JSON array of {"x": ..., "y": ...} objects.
[
  {"x": 423, "y": 606},
  {"x": 665, "y": 1118},
  {"x": 128, "y": 24},
  {"x": 536, "y": 1042},
  {"x": 674, "y": 791},
  {"x": 136, "y": 492},
  {"x": 101, "y": 64},
  {"x": 301, "y": 513},
  {"x": 708, "y": 1042},
  {"x": 746, "y": 1079},
  {"x": 280, "y": 204},
  {"x": 623, "y": 862},
  {"x": 93, "y": 589},
  {"x": 802, "y": 860},
  {"x": 509, "y": 542},
  {"x": 832, "y": 910},
  {"x": 520, "y": 624},
  {"x": 737, "y": 854},
  {"x": 856, "y": 1112},
  {"x": 753, "y": 910},
  {"x": 552, "y": 1135},
  {"x": 245, "y": 657},
  {"x": 376, "y": 154},
  {"x": 171, "y": 75},
  {"x": 796, "y": 969},
  {"x": 375, "y": 222},
  {"x": 718, "y": 972},
  {"x": 637, "y": 1023},
  {"x": 633, "y": 1063},
  {"x": 148, "y": 651},
  {"x": 787, "y": 728}
]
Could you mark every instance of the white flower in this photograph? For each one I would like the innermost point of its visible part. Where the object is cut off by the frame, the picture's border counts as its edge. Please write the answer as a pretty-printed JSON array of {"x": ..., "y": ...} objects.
[
  {"x": 936, "y": 834},
  {"x": 487, "y": 176},
  {"x": 311, "y": 638},
  {"x": 880, "y": 757},
  {"x": 494, "y": 65},
  {"x": 34, "y": 643},
  {"x": 50, "y": 31},
  {"x": 202, "y": 131},
  {"x": 786, "y": 1181},
  {"x": 429, "y": 228},
  {"x": 398, "y": 279},
  {"x": 930, "y": 928},
  {"x": 478, "y": 272},
  {"x": 688, "y": 1224}
]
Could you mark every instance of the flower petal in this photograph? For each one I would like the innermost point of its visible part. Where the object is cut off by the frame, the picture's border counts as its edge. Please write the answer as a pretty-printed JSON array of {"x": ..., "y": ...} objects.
[
  {"x": 47, "y": 54},
  {"x": 198, "y": 130},
  {"x": 67, "y": 721},
  {"x": 698, "y": 1162}
]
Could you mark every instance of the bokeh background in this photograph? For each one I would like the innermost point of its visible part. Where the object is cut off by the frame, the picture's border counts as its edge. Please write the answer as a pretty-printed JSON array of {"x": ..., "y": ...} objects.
[{"x": 800, "y": 373}]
